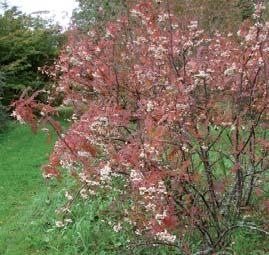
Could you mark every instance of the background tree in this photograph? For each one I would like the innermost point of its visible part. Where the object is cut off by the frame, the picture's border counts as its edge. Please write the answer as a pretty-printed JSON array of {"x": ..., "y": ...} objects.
[
  {"x": 221, "y": 15},
  {"x": 26, "y": 43},
  {"x": 92, "y": 13},
  {"x": 3, "y": 113},
  {"x": 213, "y": 15}
]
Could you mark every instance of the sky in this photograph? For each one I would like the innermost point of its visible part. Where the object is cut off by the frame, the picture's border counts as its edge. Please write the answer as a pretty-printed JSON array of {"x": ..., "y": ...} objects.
[{"x": 61, "y": 10}]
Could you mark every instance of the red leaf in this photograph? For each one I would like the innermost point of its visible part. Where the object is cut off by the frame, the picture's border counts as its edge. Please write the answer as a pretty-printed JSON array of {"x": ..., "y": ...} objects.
[
  {"x": 266, "y": 204},
  {"x": 159, "y": 132},
  {"x": 49, "y": 138},
  {"x": 235, "y": 168},
  {"x": 90, "y": 149},
  {"x": 219, "y": 187},
  {"x": 55, "y": 124},
  {"x": 186, "y": 164},
  {"x": 259, "y": 192},
  {"x": 164, "y": 118},
  {"x": 172, "y": 154},
  {"x": 170, "y": 222},
  {"x": 51, "y": 171},
  {"x": 149, "y": 125},
  {"x": 196, "y": 177}
]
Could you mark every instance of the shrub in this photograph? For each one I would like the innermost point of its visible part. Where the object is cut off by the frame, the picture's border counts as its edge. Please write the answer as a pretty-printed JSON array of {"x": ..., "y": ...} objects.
[
  {"x": 177, "y": 117},
  {"x": 3, "y": 118},
  {"x": 3, "y": 112}
]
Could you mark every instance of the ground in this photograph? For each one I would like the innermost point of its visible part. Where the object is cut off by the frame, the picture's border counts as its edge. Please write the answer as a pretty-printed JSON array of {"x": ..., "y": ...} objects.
[{"x": 21, "y": 157}]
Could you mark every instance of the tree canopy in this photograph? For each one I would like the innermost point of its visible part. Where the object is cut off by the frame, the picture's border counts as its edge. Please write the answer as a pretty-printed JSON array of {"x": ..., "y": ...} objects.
[
  {"x": 26, "y": 43},
  {"x": 92, "y": 13}
]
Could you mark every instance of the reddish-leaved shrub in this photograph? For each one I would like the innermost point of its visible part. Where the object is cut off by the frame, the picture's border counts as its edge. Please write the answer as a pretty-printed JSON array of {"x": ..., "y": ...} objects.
[{"x": 181, "y": 116}]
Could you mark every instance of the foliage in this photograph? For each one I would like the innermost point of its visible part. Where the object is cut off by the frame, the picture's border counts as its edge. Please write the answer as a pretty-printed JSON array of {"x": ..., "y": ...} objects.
[
  {"x": 212, "y": 15},
  {"x": 221, "y": 15},
  {"x": 3, "y": 111},
  {"x": 180, "y": 117},
  {"x": 26, "y": 43},
  {"x": 3, "y": 118},
  {"x": 92, "y": 13},
  {"x": 246, "y": 7}
]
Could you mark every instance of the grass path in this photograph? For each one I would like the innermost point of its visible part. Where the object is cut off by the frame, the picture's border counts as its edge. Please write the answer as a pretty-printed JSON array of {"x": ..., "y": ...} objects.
[{"x": 21, "y": 156}]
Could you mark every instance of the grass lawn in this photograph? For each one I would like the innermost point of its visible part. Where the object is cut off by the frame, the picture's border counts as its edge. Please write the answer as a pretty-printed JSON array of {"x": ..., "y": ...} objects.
[{"x": 21, "y": 157}]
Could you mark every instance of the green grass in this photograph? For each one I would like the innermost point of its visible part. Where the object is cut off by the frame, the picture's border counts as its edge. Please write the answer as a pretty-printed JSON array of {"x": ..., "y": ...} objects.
[{"x": 21, "y": 157}]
